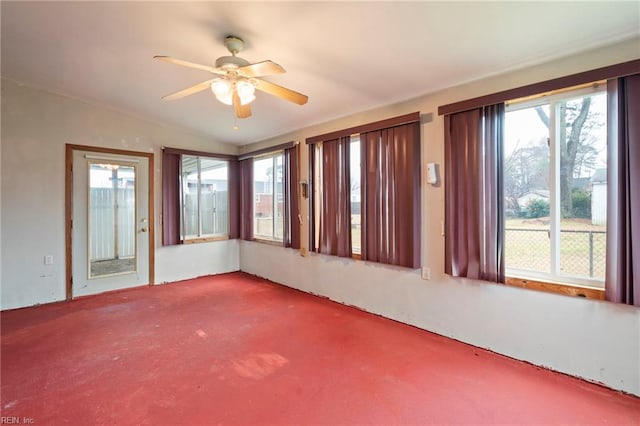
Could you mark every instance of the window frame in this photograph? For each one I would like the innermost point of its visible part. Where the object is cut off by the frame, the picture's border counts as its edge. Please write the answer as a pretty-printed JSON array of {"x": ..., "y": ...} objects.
[
  {"x": 555, "y": 281},
  {"x": 273, "y": 155},
  {"x": 356, "y": 253},
  {"x": 200, "y": 236},
  {"x": 171, "y": 195}
]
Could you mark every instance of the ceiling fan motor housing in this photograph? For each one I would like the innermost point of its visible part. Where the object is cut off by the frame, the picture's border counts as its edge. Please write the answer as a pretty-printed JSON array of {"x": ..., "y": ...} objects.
[
  {"x": 234, "y": 44},
  {"x": 231, "y": 62}
]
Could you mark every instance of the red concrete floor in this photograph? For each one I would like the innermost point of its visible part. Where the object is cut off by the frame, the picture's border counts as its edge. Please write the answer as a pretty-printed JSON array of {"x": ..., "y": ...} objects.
[{"x": 235, "y": 349}]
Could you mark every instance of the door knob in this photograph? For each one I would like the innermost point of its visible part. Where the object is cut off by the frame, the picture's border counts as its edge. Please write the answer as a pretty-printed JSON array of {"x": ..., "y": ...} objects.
[{"x": 143, "y": 229}]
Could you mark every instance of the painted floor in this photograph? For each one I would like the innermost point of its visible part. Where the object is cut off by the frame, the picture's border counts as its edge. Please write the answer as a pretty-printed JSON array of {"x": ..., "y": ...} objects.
[{"x": 235, "y": 349}]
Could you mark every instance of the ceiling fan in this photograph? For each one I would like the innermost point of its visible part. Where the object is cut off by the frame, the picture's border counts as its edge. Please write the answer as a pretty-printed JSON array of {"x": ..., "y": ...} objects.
[{"x": 236, "y": 80}]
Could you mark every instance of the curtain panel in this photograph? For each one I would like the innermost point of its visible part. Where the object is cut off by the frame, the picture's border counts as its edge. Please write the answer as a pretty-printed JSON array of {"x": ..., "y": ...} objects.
[
  {"x": 234, "y": 199},
  {"x": 292, "y": 210},
  {"x": 474, "y": 228},
  {"x": 622, "y": 279},
  {"x": 390, "y": 187},
  {"x": 170, "y": 198},
  {"x": 246, "y": 199},
  {"x": 335, "y": 201}
]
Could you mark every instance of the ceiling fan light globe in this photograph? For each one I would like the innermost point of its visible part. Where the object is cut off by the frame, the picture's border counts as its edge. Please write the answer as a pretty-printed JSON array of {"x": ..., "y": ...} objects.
[
  {"x": 244, "y": 100},
  {"x": 246, "y": 91},
  {"x": 226, "y": 99},
  {"x": 223, "y": 90}
]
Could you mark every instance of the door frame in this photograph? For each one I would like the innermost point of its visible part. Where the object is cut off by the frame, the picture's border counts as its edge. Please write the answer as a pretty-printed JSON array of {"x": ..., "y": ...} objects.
[{"x": 68, "y": 205}]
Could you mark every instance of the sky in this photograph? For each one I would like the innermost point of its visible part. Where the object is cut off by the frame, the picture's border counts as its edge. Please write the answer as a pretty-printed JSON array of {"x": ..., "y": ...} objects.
[{"x": 523, "y": 128}]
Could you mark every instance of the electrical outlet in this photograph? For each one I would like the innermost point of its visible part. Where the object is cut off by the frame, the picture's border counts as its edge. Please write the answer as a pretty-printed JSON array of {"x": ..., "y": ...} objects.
[
  {"x": 426, "y": 273},
  {"x": 48, "y": 259}
]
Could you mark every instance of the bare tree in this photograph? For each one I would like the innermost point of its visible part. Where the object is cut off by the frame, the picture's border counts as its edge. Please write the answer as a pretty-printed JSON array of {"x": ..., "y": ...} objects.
[
  {"x": 576, "y": 144},
  {"x": 525, "y": 169}
]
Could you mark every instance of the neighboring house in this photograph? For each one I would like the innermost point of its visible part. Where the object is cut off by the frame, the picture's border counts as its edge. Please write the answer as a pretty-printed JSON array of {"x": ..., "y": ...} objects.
[
  {"x": 536, "y": 194},
  {"x": 582, "y": 183},
  {"x": 263, "y": 205},
  {"x": 263, "y": 198}
]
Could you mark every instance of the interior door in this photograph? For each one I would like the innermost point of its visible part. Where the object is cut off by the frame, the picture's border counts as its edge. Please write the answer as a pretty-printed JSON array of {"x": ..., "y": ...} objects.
[{"x": 110, "y": 222}]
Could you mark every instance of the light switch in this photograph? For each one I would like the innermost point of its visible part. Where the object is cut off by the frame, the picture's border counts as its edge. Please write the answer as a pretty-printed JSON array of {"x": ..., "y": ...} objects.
[{"x": 48, "y": 259}]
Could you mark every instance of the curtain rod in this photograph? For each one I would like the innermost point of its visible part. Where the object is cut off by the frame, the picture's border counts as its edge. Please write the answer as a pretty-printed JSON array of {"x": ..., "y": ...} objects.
[
  {"x": 274, "y": 148},
  {"x": 614, "y": 71},
  {"x": 413, "y": 117}
]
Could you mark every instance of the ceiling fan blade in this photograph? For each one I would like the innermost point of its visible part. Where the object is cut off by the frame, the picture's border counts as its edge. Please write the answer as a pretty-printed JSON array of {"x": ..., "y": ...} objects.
[
  {"x": 188, "y": 91},
  {"x": 242, "y": 111},
  {"x": 189, "y": 64},
  {"x": 281, "y": 92},
  {"x": 261, "y": 68}
]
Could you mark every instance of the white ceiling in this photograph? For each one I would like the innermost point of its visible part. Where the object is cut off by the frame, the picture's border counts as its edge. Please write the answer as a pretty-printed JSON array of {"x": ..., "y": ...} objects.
[{"x": 347, "y": 57}]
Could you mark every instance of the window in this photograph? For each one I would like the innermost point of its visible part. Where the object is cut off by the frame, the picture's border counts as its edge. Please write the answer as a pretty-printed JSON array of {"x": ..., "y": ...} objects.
[
  {"x": 199, "y": 196},
  {"x": 555, "y": 169},
  {"x": 355, "y": 222},
  {"x": 268, "y": 208},
  {"x": 205, "y": 197},
  {"x": 574, "y": 173},
  {"x": 365, "y": 201},
  {"x": 354, "y": 175},
  {"x": 268, "y": 195}
]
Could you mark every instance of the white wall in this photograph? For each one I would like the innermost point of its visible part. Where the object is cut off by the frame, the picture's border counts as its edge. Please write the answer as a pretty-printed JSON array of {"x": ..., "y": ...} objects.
[
  {"x": 36, "y": 125},
  {"x": 175, "y": 263},
  {"x": 598, "y": 341}
]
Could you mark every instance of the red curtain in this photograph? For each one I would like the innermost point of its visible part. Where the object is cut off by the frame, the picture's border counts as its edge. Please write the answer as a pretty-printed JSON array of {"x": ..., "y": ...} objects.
[
  {"x": 492, "y": 194},
  {"x": 390, "y": 181},
  {"x": 474, "y": 229},
  {"x": 246, "y": 199},
  {"x": 292, "y": 210},
  {"x": 170, "y": 199},
  {"x": 234, "y": 199},
  {"x": 335, "y": 214},
  {"x": 622, "y": 281}
]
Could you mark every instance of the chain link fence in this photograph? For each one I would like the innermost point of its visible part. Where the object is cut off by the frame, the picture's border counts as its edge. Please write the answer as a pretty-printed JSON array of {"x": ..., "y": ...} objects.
[{"x": 582, "y": 252}]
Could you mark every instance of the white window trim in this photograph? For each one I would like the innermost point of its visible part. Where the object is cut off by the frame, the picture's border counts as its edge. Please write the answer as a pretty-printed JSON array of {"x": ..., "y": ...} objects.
[
  {"x": 273, "y": 238},
  {"x": 554, "y": 191},
  {"x": 199, "y": 235}
]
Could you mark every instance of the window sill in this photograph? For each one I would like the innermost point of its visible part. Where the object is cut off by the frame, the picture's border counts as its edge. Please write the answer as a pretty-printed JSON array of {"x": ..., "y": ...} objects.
[
  {"x": 566, "y": 289},
  {"x": 205, "y": 239},
  {"x": 270, "y": 242}
]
